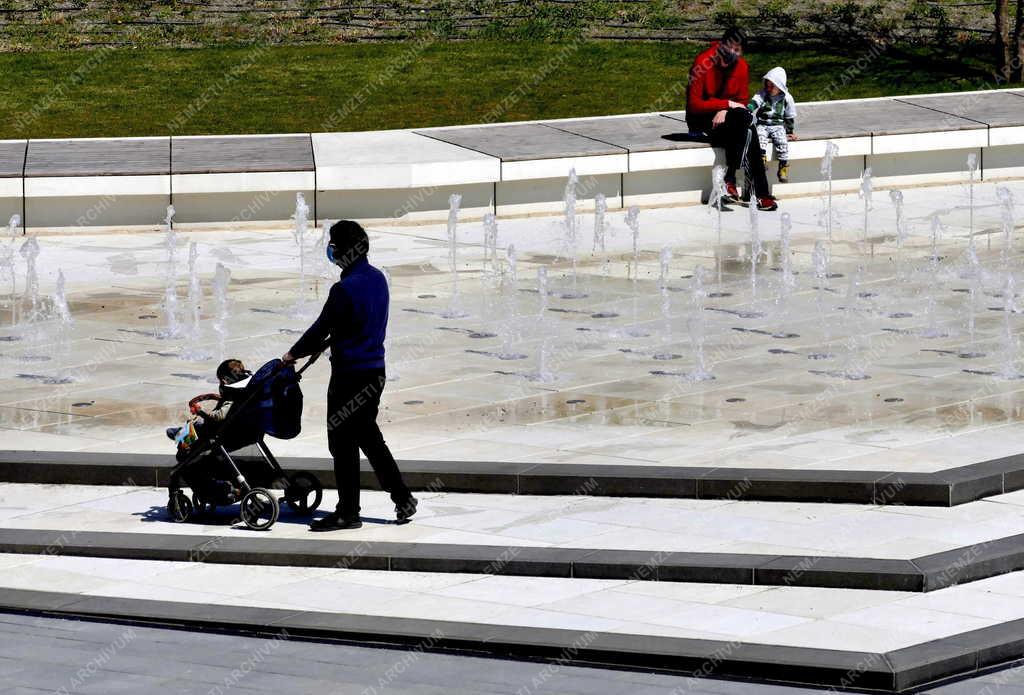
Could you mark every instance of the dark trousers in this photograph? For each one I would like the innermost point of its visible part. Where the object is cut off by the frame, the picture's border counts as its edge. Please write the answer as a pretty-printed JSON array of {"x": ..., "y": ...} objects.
[
  {"x": 353, "y": 399},
  {"x": 738, "y": 137}
]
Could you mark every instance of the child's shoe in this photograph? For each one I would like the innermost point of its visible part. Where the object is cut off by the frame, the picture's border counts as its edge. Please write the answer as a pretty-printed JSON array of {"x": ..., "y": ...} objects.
[
  {"x": 172, "y": 433},
  {"x": 783, "y": 172}
]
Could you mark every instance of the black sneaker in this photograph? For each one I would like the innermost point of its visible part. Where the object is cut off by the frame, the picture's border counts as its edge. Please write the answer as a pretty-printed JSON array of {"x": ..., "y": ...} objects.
[
  {"x": 335, "y": 522},
  {"x": 404, "y": 512}
]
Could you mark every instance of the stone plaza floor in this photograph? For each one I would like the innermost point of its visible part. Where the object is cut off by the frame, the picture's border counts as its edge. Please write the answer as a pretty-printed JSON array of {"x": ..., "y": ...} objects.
[
  {"x": 872, "y": 351},
  {"x": 585, "y": 386}
]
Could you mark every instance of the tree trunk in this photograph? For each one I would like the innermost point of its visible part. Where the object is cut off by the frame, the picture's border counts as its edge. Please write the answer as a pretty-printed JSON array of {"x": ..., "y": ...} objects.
[
  {"x": 1018, "y": 35},
  {"x": 1003, "y": 38}
]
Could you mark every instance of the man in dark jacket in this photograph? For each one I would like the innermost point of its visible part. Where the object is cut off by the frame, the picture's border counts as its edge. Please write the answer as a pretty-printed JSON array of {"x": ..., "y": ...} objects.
[
  {"x": 716, "y": 105},
  {"x": 353, "y": 322}
]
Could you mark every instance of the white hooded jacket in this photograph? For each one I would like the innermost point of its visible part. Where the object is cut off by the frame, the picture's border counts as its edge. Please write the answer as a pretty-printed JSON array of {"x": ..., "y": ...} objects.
[{"x": 778, "y": 110}]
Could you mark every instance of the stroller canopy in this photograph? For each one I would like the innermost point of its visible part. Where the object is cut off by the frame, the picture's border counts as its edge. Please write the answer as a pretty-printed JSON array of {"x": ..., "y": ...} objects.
[{"x": 270, "y": 402}]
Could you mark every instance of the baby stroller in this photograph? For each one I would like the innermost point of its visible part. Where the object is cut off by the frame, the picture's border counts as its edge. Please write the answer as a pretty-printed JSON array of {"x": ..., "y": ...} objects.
[{"x": 269, "y": 402}]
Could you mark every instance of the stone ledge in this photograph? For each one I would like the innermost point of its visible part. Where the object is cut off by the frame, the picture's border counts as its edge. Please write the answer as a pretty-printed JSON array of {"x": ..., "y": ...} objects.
[
  {"x": 897, "y": 671},
  {"x": 923, "y": 574},
  {"x": 945, "y": 488}
]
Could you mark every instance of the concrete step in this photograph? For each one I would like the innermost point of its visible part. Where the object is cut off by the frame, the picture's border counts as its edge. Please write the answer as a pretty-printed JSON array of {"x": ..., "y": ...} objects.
[
  {"x": 888, "y": 641},
  {"x": 756, "y": 543},
  {"x": 948, "y": 487}
]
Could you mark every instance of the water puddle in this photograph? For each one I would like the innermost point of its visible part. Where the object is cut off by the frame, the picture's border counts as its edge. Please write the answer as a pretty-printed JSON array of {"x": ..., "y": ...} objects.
[
  {"x": 499, "y": 355},
  {"x": 692, "y": 377},
  {"x": 467, "y": 332},
  {"x": 840, "y": 374},
  {"x": 426, "y": 311},
  {"x": 739, "y": 313},
  {"x": 194, "y": 377},
  {"x": 666, "y": 356},
  {"x": 50, "y": 380},
  {"x": 772, "y": 334}
]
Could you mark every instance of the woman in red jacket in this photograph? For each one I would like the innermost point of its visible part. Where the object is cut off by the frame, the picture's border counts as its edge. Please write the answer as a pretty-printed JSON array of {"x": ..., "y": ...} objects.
[{"x": 716, "y": 102}]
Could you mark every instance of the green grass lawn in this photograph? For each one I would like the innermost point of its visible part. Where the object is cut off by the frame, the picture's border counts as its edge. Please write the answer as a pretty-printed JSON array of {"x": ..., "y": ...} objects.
[{"x": 396, "y": 85}]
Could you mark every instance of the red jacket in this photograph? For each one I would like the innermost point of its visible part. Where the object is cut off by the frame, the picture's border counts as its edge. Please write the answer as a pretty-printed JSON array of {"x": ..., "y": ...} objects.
[{"x": 712, "y": 87}]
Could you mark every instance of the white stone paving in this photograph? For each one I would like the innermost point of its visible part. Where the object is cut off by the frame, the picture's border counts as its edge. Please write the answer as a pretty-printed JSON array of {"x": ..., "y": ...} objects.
[
  {"x": 723, "y": 526},
  {"x": 919, "y": 411},
  {"x": 795, "y": 616}
]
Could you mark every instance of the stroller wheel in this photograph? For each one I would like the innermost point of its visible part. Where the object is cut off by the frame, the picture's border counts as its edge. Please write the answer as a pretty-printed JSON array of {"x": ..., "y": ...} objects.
[
  {"x": 259, "y": 509},
  {"x": 304, "y": 493},
  {"x": 202, "y": 507},
  {"x": 179, "y": 506}
]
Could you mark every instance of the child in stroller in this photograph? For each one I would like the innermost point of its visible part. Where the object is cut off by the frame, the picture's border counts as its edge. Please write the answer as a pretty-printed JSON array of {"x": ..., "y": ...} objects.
[
  {"x": 248, "y": 406},
  {"x": 229, "y": 373}
]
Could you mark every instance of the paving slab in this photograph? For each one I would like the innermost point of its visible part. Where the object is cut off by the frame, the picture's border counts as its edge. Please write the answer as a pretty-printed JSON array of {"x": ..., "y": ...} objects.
[
  {"x": 531, "y": 151},
  {"x": 852, "y": 121},
  {"x": 241, "y": 154},
  {"x": 893, "y": 117},
  {"x": 523, "y": 142},
  {"x": 98, "y": 157},
  {"x": 900, "y": 660},
  {"x": 649, "y": 133},
  {"x": 931, "y": 572},
  {"x": 12, "y": 158},
  {"x": 397, "y": 159},
  {"x": 799, "y": 664},
  {"x": 947, "y": 487},
  {"x": 816, "y": 122},
  {"x": 654, "y": 142},
  {"x": 553, "y": 523},
  {"x": 995, "y": 109}
]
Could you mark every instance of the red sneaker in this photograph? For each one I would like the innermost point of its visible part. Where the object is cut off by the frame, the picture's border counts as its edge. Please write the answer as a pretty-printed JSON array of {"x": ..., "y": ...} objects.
[
  {"x": 732, "y": 194},
  {"x": 767, "y": 204}
]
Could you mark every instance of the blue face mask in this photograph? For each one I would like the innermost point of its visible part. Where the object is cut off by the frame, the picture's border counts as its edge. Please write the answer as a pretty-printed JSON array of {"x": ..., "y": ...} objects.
[{"x": 330, "y": 253}]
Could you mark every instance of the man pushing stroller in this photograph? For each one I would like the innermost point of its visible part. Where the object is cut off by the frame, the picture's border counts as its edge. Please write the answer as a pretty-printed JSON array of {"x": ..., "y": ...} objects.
[{"x": 353, "y": 323}]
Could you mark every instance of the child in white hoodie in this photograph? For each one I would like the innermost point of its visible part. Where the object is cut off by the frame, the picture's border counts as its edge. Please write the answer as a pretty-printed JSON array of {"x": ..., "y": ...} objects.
[{"x": 775, "y": 112}]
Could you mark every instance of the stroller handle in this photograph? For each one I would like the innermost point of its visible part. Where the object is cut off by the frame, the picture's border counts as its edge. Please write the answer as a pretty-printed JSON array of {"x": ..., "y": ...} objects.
[{"x": 312, "y": 358}]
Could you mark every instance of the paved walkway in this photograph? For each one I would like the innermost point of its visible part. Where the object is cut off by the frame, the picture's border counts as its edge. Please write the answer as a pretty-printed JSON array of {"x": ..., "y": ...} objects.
[
  {"x": 105, "y": 658},
  {"x": 848, "y": 620},
  {"x": 671, "y": 525}
]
